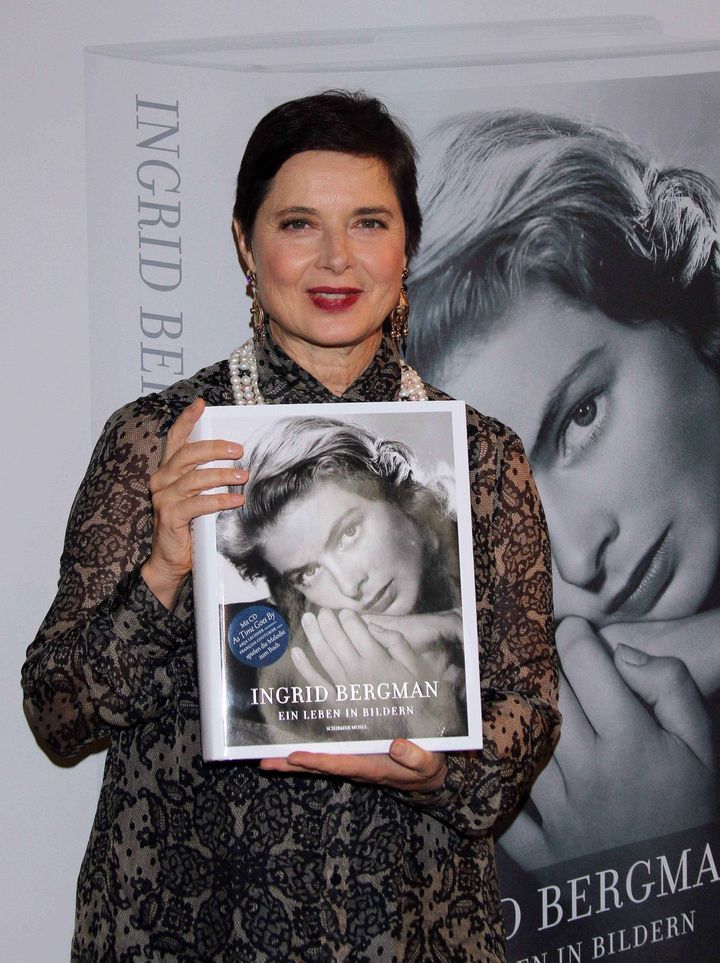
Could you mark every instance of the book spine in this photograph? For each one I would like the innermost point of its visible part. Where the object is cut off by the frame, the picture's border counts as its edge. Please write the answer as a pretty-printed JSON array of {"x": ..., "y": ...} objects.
[{"x": 206, "y": 593}]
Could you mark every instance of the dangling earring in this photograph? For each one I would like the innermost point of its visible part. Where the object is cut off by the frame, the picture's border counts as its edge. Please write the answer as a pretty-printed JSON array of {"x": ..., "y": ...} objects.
[
  {"x": 399, "y": 315},
  {"x": 257, "y": 314}
]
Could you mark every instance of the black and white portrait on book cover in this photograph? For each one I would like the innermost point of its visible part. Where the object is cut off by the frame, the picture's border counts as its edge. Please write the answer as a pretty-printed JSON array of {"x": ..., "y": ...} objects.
[{"x": 336, "y": 607}]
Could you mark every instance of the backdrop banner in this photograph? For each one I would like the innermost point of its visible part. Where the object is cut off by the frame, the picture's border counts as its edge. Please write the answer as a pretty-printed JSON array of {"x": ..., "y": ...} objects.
[{"x": 617, "y": 849}]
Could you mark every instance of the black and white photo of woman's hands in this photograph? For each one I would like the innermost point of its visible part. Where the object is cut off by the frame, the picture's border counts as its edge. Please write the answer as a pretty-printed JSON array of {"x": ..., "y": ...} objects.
[
  {"x": 349, "y": 648},
  {"x": 437, "y": 636},
  {"x": 635, "y": 755}
]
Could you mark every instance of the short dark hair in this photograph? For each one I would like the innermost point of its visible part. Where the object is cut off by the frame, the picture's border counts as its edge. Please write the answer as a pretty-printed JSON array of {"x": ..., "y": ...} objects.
[
  {"x": 515, "y": 197},
  {"x": 348, "y": 122}
]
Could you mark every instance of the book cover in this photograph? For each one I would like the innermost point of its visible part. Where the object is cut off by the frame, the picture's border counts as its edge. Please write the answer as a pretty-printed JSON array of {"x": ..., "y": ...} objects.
[{"x": 335, "y": 610}]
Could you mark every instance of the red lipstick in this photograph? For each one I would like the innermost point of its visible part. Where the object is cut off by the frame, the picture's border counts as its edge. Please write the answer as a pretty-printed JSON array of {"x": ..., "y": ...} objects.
[{"x": 334, "y": 299}]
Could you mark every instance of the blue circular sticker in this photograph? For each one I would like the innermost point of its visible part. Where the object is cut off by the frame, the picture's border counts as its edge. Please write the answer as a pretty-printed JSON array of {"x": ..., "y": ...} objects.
[{"x": 258, "y": 635}]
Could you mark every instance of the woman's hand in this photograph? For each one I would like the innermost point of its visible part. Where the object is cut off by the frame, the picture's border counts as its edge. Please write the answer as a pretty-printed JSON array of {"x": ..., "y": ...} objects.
[
  {"x": 425, "y": 630},
  {"x": 437, "y": 636},
  {"x": 635, "y": 754},
  {"x": 406, "y": 766},
  {"x": 177, "y": 497},
  {"x": 349, "y": 650},
  {"x": 692, "y": 639}
]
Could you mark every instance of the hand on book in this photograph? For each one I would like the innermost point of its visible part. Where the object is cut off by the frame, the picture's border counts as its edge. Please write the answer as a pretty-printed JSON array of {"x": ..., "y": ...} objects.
[
  {"x": 178, "y": 490},
  {"x": 406, "y": 766}
]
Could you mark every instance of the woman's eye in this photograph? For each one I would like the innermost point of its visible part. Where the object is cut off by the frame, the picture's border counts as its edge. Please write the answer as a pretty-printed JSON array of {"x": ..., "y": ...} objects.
[
  {"x": 296, "y": 224},
  {"x": 372, "y": 223},
  {"x": 348, "y": 534},
  {"x": 585, "y": 413},
  {"x": 307, "y": 576},
  {"x": 584, "y": 423}
]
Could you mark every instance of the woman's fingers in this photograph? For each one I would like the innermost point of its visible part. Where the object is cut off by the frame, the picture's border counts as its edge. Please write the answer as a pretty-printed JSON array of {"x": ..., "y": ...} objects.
[
  {"x": 184, "y": 510},
  {"x": 349, "y": 639},
  {"x": 196, "y": 494},
  {"x": 182, "y": 426},
  {"x": 694, "y": 637},
  {"x": 189, "y": 457},
  {"x": 205, "y": 479},
  {"x": 630, "y": 709},
  {"x": 424, "y": 630},
  {"x": 326, "y": 648},
  {"x": 605, "y": 699},
  {"x": 364, "y": 642},
  {"x": 665, "y": 684},
  {"x": 305, "y": 667},
  {"x": 345, "y": 646},
  {"x": 406, "y": 766},
  {"x": 427, "y": 766},
  {"x": 396, "y": 646},
  {"x": 180, "y": 490}
]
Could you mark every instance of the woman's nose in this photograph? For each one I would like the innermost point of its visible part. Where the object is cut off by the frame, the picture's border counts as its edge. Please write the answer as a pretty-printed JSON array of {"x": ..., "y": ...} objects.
[
  {"x": 349, "y": 579},
  {"x": 580, "y": 535},
  {"x": 335, "y": 250}
]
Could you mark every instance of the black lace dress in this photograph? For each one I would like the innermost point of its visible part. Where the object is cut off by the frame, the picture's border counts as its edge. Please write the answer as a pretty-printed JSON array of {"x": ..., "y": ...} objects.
[{"x": 192, "y": 861}]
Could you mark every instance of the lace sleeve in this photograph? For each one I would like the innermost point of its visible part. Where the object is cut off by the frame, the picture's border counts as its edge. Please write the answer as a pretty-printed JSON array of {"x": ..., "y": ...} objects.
[
  {"x": 519, "y": 675},
  {"x": 102, "y": 658}
]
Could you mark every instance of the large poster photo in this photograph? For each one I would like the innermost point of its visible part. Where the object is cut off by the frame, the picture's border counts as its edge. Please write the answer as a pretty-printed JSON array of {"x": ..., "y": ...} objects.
[{"x": 568, "y": 284}]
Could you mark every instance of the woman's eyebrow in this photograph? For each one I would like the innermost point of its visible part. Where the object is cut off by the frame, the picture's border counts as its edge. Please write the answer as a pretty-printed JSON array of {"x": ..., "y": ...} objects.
[
  {"x": 287, "y": 211},
  {"x": 557, "y": 400},
  {"x": 357, "y": 212},
  {"x": 372, "y": 211}
]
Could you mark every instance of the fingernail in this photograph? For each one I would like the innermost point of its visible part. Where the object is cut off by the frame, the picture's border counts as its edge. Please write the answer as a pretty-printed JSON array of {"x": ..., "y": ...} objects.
[
  {"x": 233, "y": 449},
  {"x": 399, "y": 749},
  {"x": 632, "y": 656},
  {"x": 241, "y": 476}
]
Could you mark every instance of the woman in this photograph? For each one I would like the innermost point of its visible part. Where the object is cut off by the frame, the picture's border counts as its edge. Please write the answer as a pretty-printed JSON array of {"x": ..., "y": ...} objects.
[
  {"x": 573, "y": 286},
  {"x": 339, "y": 520},
  {"x": 314, "y": 856}
]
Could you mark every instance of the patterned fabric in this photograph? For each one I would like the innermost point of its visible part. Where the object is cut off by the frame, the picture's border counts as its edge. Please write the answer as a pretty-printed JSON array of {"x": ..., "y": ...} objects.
[{"x": 193, "y": 861}]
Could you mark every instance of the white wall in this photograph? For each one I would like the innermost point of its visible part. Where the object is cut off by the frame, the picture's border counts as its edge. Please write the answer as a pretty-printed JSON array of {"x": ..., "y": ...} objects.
[{"x": 47, "y": 810}]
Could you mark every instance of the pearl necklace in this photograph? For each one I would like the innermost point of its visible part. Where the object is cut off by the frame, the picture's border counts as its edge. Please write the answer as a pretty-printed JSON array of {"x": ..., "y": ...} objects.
[{"x": 246, "y": 390}]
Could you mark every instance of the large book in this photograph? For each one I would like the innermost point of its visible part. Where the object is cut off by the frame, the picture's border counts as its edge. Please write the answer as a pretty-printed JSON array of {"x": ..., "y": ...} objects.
[{"x": 335, "y": 610}]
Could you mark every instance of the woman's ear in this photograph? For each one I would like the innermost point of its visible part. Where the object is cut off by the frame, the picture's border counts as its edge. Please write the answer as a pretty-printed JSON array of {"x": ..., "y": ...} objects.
[{"x": 242, "y": 246}]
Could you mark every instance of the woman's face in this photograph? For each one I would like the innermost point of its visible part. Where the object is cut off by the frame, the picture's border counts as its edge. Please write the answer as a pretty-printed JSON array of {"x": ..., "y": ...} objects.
[
  {"x": 344, "y": 551},
  {"x": 328, "y": 247},
  {"x": 621, "y": 425}
]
